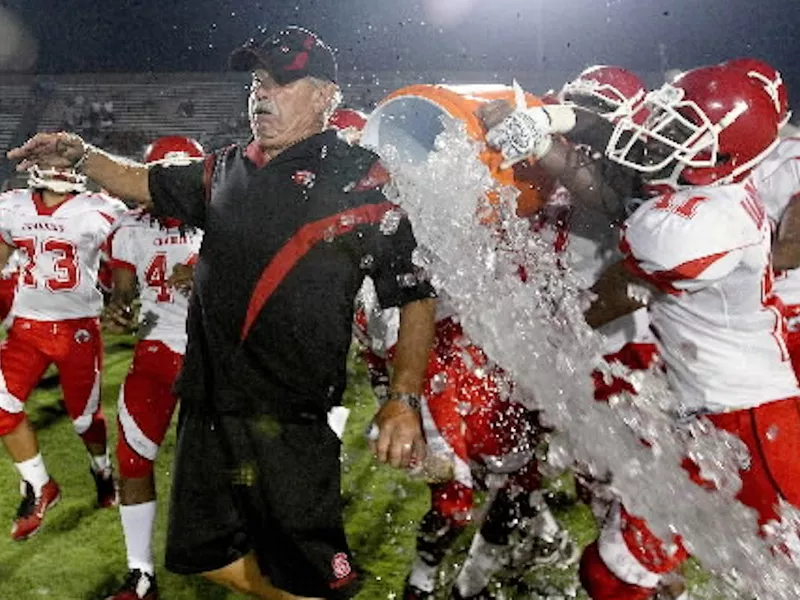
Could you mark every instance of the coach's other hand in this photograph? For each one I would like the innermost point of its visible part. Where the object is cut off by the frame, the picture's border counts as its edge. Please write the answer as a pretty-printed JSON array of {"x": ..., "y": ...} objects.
[{"x": 398, "y": 438}]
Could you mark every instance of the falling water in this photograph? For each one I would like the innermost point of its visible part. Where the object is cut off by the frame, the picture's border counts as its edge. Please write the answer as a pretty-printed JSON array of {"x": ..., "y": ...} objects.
[{"x": 535, "y": 330}]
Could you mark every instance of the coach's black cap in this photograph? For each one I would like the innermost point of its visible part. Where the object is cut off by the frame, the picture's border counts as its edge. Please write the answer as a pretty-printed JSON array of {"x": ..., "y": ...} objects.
[{"x": 289, "y": 55}]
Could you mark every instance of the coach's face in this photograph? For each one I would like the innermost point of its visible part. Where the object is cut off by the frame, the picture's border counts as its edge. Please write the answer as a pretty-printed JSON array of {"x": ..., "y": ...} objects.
[{"x": 281, "y": 115}]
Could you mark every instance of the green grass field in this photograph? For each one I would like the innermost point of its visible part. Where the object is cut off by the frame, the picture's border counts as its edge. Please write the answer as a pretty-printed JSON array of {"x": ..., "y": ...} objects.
[{"x": 80, "y": 554}]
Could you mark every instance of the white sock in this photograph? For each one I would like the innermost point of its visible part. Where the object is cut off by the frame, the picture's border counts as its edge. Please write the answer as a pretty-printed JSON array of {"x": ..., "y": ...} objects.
[
  {"x": 137, "y": 524},
  {"x": 423, "y": 575},
  {"x": 483, "y": 561},
  {"x": 34, "y": 472},
  {"x": 100, "y": 463}
]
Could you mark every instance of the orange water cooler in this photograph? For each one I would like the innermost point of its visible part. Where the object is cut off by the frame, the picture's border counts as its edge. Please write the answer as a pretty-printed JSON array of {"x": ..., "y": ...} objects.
[{"x": 410, "y": 119}]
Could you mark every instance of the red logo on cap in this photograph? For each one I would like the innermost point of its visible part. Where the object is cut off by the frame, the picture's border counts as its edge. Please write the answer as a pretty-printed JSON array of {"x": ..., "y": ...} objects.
[
  {"x": 340, "y": 565},
  {"x": 301, "y": 60}
]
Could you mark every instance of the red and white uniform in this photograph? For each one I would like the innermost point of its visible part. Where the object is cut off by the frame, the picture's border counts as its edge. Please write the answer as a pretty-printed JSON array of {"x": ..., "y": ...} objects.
[
  {"x": 467, "y": 416},
  {"x": 708, "y": 250},
  {"x": 777, "y": 181},
  {"x": 146, "y": 401},
  {"x": 720, "y": 336},
  {"x": 57, "y": 302}
]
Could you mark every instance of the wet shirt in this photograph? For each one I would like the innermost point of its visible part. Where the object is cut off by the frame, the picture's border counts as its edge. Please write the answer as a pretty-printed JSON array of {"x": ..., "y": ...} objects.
[
  {"x": 719, "y": 327},
  {"x": 287, "y": 244}
]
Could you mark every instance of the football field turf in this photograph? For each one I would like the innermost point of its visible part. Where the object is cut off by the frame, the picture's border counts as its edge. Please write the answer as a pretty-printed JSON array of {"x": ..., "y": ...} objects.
[{"x": 80, "y": 555}]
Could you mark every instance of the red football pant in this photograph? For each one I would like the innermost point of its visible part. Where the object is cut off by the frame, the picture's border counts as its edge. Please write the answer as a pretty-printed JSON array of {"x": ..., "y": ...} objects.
[
  {"x": 628, "y": 553},
  {"x": 76, "y": 348},
  {"x": 472, "y": 416},
  {"x": 146, "y": 405}
]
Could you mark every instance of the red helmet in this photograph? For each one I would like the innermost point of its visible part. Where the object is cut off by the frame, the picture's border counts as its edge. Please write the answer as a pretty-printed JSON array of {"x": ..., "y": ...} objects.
[
  {"x": 348, "y": 122},
  {"x": 612, "y": 92},
  {"x": 772, "y": 81},
  {"x": 173, "y": 147},
  {"x": 711, "y": 125}
]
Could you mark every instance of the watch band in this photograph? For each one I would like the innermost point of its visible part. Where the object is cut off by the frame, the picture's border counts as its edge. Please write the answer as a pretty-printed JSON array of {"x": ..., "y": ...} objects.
[{"x": 413, "y": 400}]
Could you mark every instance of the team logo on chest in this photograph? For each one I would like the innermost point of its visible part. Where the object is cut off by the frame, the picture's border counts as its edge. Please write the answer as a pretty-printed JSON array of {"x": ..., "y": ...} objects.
[{"x": 304, "y": 178}]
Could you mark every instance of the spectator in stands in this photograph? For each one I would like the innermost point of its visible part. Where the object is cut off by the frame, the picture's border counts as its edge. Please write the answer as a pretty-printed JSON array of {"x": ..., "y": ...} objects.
[
  {"x": 186, "y": 108},
  {"x": 107, "y": 115}
]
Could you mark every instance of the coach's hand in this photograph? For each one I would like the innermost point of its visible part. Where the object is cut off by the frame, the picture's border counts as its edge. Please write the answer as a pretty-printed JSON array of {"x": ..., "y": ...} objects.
[
  {"x": 60, "y": 150},
  {"x": 398, "y": 437}
]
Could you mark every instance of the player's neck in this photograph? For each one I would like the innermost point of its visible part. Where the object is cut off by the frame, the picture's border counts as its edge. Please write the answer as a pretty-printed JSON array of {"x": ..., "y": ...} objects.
[{"x": 51, "y": 198}]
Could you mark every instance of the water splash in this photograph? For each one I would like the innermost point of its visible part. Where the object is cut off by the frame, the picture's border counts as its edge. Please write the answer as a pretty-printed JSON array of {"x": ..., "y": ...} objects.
[{"x": 536, "y": 331}]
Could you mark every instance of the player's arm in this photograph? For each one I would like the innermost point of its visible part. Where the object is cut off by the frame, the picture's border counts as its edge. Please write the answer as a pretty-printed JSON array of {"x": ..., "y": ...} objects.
[
  {"x": 593, "y": 182},
  {"x": 118, "y": 315},
  {"x": 786, "y": 248},
  {"x": 615, "y": 295},
  {"x": 596, "y": 183}
]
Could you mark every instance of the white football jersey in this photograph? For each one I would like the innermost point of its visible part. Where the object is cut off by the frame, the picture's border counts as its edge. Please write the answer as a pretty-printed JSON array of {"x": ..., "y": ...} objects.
[
  {"x": 777, "y": 181},
  {"x": 719, "y": 332},
  {"x": 60, "y": 250},
  {"x": 139, "y": 243}
]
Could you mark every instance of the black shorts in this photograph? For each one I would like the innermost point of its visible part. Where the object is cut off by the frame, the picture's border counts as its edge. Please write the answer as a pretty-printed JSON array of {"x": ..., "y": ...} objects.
[{"x": 244, "y": 484}]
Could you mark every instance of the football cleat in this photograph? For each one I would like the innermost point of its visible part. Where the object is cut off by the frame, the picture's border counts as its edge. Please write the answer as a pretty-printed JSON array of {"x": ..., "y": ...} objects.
[
  {"x": 30, "y": 514},
  {"x": 138, "y": 585},
  {"x": 106, "y": 485}
]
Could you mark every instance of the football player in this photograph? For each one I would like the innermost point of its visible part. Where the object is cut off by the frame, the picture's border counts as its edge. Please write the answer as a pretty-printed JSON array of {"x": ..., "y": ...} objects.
[
  {"x": 477, "y": 437},
  {"x": 59, "y": 229},
  {"x": 703, "y": 248},
  {"x": 145, "y": 252}
]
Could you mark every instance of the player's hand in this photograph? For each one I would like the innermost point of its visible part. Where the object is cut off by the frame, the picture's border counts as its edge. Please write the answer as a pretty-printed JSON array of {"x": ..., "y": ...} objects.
[
  {"x": 59, "y": 150},
  {"x": 182, "y": 278},
  {"x": 398, "y": 438},
  {"x": 525, "y": 133},
  {"x": 492, "y": 113},
  {"x": 118, "y": 318}
]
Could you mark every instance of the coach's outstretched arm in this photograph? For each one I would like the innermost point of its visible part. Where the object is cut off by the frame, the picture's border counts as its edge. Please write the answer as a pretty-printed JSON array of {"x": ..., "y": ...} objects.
[{"x": 120, "y": 177}]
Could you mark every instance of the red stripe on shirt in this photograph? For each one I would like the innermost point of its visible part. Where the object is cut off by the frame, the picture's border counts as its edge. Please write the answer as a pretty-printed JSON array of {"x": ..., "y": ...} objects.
[
  {"x": 299, "y": 245},
  {"x": 663, "y": 280}
]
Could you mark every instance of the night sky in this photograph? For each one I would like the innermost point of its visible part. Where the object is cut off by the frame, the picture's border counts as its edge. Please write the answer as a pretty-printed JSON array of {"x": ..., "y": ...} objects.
[{"x": 375, "y": 35}]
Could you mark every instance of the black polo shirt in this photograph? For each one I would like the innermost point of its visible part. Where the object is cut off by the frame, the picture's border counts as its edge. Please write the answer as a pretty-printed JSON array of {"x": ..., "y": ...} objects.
[{"x": 286, "y": 247}]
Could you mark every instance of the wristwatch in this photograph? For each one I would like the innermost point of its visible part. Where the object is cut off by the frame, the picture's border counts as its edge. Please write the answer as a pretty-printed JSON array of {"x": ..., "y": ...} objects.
[{"x": 413, "y": 400}]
